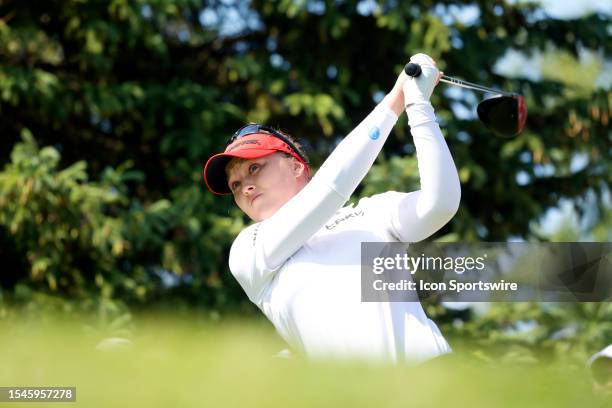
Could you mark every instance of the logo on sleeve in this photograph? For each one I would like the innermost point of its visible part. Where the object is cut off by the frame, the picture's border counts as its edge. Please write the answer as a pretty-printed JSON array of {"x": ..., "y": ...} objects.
[
  {"x": 374, "y": 133},
  {"x": 333, "y": 224}
]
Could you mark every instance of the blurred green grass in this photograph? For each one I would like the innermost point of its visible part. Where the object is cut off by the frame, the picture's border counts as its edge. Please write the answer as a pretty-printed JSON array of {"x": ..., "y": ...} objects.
[{"x": 190, "y": 362}]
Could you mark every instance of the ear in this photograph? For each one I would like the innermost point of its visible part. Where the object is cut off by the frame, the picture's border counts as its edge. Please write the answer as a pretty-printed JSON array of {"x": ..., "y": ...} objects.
[{"x": 299, "y": 168}]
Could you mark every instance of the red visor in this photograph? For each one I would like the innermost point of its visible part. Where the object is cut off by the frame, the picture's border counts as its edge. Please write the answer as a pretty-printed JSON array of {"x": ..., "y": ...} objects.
[{"x": 251, "y": 146}]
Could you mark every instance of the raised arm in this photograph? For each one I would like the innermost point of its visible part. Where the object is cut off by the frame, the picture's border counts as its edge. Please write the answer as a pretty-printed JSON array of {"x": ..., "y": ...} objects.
[{"x": 423, "y": 212}]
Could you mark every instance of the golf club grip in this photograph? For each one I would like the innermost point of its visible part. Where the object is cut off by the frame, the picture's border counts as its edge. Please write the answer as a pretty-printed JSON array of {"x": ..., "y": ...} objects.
[{"x": 412, "y": 69}]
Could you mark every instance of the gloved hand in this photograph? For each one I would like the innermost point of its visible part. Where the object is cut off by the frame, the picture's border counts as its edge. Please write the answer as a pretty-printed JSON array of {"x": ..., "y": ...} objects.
[{"x": 419, "y": 89}]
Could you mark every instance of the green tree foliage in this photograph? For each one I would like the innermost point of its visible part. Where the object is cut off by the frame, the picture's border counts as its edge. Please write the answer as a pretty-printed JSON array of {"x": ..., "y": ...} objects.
[
  {"x": 530, "y": 332},
  {"x": 84, "y": 240},
  {"x": 128, "y": 98}
]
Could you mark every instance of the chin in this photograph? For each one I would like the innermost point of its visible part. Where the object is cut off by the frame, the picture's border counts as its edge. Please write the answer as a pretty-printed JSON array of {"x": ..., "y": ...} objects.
[{"x": 266, "y": 212}]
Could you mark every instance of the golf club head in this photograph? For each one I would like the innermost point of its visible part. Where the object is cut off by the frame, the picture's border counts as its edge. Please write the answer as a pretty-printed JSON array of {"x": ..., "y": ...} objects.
[{"x": 504, "y": 115}]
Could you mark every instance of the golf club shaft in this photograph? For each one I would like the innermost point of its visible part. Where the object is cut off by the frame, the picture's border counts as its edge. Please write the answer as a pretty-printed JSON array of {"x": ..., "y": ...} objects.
[{"x": 470, "y": 85}]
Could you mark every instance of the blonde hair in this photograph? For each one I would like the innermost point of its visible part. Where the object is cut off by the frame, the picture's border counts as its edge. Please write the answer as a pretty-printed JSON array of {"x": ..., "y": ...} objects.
[{"x": 296, "y": 143}]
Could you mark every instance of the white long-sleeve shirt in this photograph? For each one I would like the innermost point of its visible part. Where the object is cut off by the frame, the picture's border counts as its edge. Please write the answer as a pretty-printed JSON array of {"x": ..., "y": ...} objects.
[{"x": 302, "y": 266}]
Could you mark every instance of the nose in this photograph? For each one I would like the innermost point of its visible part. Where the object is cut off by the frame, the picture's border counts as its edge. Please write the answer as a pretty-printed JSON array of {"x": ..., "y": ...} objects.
[{"x": 248, "y": 189}]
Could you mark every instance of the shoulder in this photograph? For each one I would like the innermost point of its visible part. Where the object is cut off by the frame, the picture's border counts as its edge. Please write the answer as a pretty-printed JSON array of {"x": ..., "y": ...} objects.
[
  {"x": 382, "y": 200},
  {"x": 381, "y": 210}
]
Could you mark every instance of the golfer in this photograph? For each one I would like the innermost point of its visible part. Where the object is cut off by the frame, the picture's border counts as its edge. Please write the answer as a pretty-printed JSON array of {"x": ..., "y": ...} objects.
[{"x": 300, "y": 263}]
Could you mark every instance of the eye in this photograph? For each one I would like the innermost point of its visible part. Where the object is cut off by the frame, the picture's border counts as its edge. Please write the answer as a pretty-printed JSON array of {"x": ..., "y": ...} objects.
[
  {"x": 253, "y": 167},
  {"x": 234, "y": 185}
]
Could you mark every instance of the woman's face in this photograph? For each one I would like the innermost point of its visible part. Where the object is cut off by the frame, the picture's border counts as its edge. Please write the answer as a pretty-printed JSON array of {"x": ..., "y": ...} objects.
[{"x": 261, "y": 186}]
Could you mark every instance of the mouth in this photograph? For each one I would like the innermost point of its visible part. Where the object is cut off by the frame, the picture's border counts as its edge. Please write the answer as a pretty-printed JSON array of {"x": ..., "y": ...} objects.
[{"x": 255, "y": 198}]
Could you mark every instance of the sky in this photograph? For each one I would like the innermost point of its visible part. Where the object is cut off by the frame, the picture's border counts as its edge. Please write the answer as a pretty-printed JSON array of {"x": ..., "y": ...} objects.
[
  {"x": 236, "y": 16},
  {"x": 574, "y": 8}
]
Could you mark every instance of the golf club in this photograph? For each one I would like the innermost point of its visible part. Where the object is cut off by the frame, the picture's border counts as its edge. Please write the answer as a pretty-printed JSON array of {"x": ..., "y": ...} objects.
[{"x": 504, "y": 114}]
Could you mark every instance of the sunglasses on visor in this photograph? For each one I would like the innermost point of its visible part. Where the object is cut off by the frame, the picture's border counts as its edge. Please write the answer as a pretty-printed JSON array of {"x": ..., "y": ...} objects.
[{"x": 256, "y": 128}]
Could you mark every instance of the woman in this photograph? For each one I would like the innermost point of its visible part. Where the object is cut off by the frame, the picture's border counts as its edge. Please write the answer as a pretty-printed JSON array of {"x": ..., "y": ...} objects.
[{"x": 300, "y": 261}]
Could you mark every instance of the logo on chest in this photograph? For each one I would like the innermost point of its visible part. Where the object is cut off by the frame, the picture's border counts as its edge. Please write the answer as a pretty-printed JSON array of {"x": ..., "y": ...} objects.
[{"x": 355, "y": 213}]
